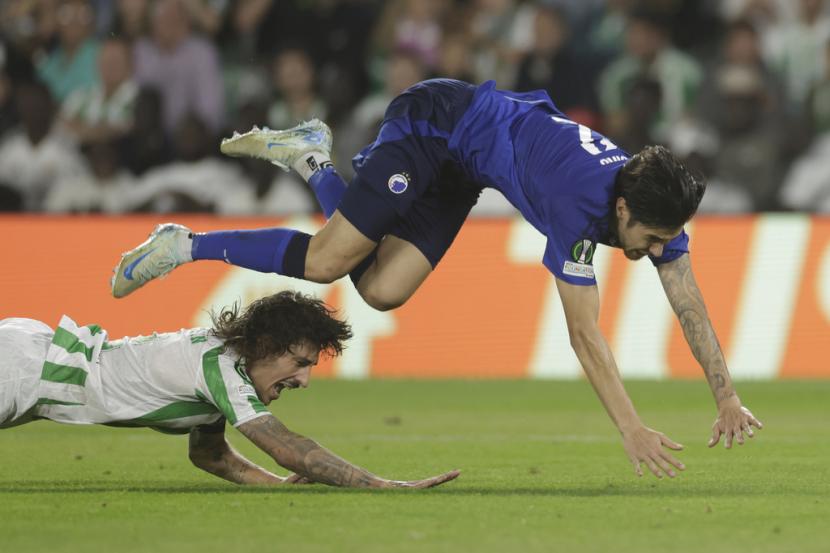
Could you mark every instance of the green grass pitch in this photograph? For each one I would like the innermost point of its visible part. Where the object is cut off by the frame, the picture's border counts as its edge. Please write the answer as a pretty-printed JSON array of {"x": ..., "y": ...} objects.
[{"x": 543, "y": 470}]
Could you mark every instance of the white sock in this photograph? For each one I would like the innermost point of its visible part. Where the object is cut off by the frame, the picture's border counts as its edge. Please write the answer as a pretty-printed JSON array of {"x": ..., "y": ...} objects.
[
  {"x": 184, "y": 245},
  {"x": 308, "y": 164}
]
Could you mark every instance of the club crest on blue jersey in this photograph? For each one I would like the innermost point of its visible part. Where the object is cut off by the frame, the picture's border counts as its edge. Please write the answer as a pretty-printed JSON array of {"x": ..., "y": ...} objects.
[{"x": 398, "y": 183}]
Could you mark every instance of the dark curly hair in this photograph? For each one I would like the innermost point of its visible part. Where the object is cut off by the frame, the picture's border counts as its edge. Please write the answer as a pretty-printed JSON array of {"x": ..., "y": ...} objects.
[
  {"x": 658, "y": 189},
  {"x": 271, "y": 325}
]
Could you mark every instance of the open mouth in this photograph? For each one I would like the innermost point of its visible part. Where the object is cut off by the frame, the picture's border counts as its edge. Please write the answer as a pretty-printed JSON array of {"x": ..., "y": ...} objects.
[{"x": 282, "y": 386}]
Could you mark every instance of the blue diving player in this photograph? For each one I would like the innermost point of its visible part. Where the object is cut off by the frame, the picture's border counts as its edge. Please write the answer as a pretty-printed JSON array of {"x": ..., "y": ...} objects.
[{"x": 441, "y": 142}]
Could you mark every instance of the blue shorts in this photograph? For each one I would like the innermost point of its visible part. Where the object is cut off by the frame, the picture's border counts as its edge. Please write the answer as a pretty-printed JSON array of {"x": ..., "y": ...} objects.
[{"x": 407, "y": 183}]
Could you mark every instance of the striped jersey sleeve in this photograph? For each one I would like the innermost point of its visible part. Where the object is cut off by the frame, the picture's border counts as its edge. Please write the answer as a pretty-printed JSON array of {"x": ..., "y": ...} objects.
[{"x": 227, "y": 386}]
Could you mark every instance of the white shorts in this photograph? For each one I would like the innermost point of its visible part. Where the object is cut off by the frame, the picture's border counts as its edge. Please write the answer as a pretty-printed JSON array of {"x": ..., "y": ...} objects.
[{"x": 23, "y": 347}]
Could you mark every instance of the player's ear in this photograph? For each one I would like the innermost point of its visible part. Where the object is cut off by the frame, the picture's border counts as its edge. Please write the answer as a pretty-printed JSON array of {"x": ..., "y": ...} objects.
[{"x": 621, "y": 207}]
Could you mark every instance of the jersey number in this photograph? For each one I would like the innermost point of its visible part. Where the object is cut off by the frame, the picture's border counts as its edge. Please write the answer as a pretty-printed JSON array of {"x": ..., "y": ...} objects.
[{"x": 586, "y": 138}]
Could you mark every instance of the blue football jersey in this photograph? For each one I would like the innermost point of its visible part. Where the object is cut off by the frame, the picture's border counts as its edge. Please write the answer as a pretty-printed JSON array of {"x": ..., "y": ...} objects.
[{"x": 557, "y": 173}]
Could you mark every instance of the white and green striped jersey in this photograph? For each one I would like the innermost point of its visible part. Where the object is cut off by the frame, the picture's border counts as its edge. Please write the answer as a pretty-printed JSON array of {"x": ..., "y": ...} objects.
[{"x": 170, "y": 382}]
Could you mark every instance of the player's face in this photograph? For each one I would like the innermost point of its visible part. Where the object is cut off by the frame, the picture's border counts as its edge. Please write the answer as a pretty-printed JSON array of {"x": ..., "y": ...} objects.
[
  {"x": 638, "y": 240},
  {"x": 292, "y": 369}
]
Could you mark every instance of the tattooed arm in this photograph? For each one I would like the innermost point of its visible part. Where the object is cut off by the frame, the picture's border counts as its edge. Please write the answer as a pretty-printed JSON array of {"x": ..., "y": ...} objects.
[
  {"x": 687, "y": 301},
  {"x": 210, "y": 451},
  {"x": 316, "y": 463}
]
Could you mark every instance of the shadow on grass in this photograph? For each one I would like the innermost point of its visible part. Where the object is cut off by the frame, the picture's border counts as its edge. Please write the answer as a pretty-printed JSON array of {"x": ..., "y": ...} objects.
[{"x": 162, "y": 487}]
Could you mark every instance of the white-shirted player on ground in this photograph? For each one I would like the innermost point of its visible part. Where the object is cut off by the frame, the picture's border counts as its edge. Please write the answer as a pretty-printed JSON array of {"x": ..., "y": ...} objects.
[{"x": 191, "y": 381}]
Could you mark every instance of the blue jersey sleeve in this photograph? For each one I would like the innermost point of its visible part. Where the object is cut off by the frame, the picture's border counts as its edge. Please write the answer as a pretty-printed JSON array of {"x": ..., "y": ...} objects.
[
  {"x": 676, "y": 247},
  {"x": 569, "y": 255}
]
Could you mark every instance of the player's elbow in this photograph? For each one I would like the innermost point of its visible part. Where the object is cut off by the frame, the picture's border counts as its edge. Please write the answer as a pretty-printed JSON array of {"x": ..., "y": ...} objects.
[
  {"x": 207, "y": 460},
  {"x": 199, "y": 459}
]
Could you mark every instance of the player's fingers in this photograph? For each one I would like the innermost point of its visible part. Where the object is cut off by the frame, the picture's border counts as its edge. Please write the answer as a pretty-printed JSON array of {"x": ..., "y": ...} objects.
[
  {"x": 727, "y": 440},
  {"x": 653, "y": 467},
  {"x": 671, "y": 444},
  {"x": 438, "y": 480},
  {"x": 434, "y": 481},
  {"x": 715, "y": 436},
  {"x": 755, "y": 422},
  {"x": 673, "y": 460},
  {"x": 636, "y": 464},
  {"x": 664, "y": 466},
  {"x": 748, "y": 429},
  {"x": 739, "y": 436}
]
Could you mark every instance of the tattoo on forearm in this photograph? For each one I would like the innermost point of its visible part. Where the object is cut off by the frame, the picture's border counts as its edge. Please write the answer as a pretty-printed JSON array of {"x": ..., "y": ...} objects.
[
  {"x": 307, "y": 457},
  {"x": 687, "y": 302}
]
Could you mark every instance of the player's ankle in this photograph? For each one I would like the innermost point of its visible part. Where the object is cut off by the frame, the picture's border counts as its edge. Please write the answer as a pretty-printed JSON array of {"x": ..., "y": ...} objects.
[
  {"x": 311, "y": 162},
  {"x": 184, "y": 247}
]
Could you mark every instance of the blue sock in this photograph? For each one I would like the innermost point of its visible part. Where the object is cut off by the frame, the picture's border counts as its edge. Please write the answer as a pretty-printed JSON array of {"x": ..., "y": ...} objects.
[
  {"x": 329, "y": 187},
  {"x": 268, "y": 250}
]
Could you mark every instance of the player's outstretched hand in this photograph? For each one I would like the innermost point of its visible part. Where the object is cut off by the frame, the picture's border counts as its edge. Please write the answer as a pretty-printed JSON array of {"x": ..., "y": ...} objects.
[
  {"x": 733, "y": 421},
  {"x": 645, "y": 445},
  {"x": 426, "y": 482}
]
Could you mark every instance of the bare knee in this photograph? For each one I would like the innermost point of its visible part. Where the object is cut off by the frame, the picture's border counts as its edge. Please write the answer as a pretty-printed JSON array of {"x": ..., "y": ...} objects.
[
  {"x": 324, "y": 271},
  {"x": 326, "y": 264},
  {"x": 382, "y": 303},
  {"x": 335, "y": 251},
  {"x": 383, "y": 298}
]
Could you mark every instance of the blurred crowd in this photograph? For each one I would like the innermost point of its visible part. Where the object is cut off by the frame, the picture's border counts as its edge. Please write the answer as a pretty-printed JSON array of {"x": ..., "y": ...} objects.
[{"x": 118, "y": 106}]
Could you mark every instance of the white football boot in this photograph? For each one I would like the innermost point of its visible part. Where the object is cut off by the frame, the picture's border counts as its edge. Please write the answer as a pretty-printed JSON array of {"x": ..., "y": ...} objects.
[
  {"x": 282, "y": 148},
  {"x": 167, "y": 247}
]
